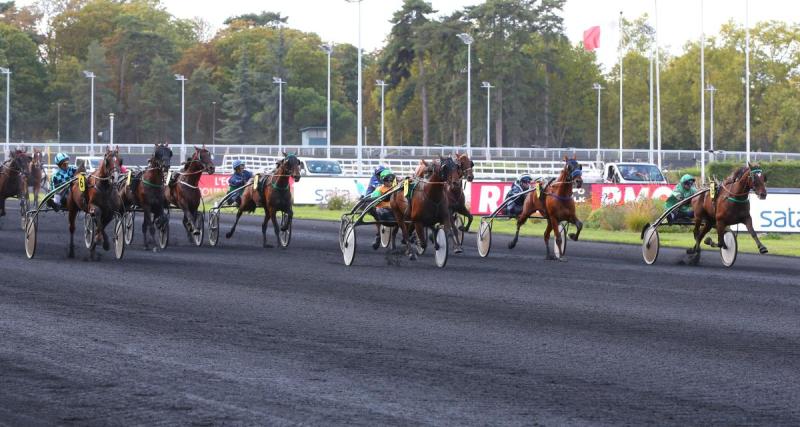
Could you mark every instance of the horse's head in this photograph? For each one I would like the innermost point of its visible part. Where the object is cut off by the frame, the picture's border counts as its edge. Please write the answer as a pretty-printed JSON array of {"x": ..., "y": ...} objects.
[
  {"x": 574, "y": 171},
  {"x": 21, "y": 162},
  {"x": 290, "y": 165},
  {"x": 38, "y": 159},
  {"x": 465, "y": 166},
  {"x": 162, "y": 157},
  {"x": 203, "y": 156},
  {"x": 758, "y": 181},
  {"x": 111, "y": 164},
  {"x": 446, "y": 170}
]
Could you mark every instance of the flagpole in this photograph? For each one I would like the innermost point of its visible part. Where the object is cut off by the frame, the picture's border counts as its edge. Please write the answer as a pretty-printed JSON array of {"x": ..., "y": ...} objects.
[
  {"x": 702, "y": 98},
  {"x": 658, "y": 90},
  {"x": 620, "y": 87}
]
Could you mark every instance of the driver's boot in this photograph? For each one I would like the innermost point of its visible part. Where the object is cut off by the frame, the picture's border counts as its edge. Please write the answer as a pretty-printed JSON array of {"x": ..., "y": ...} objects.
[{"x": 377, "y": 243}]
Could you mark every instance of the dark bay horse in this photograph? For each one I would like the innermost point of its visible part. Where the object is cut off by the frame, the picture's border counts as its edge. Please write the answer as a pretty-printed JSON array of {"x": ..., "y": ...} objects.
[
  {"x": 97, "y": 198},
  {"x": 556, "y": 204},
  {"x": 13, "y": 178},
  {"x": 146, "y": 190},
  {"x": 730, "y": 206},
  {"x": 427, "y": 205},
  {"x": 455, "y": 190},
  {"x": 37, "y": 176},
  {"x": 273, "y": 193},
  {"x": 184, "y": 192}
]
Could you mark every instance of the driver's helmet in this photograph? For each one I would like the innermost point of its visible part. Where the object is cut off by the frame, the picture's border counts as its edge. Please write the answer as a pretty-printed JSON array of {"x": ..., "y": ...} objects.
[
  {"x": 687, "y": 179},
  {"x": 379, "y": 170},
  {"x": 525, "y": 179},
  {"x": 61, "y": 157},
  {"x": 387, "y": 175},
  {"x": 237, "y": 163}
]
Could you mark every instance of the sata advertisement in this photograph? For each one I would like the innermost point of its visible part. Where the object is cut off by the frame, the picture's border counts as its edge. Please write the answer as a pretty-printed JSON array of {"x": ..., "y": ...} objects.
[
  {"x": 307, "y": 191},
  {"x": 778, "y": 213}
]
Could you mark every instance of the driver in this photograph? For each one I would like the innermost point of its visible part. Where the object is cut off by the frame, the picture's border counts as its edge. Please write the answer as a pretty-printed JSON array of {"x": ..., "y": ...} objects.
[
  {"x": 375, "y": 180},
  {"x": 683, "y": 189},
  {"x": 64, "y": 173},
  {"x": 239, "y": 179},
  {"x": 383, "y": 211},
  {"x": 514, "y": 207}
]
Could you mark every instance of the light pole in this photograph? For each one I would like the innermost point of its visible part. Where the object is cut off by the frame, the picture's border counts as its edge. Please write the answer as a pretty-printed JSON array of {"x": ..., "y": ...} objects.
[
  {"x": 328, "y": 49},
  {"x": 621, "y": 57},
  {"x": 702, "y": 98},
  {"x": 7, "y": 72},
  {"x": 598, "y": 88},
  {"x": 111, "y": 128},
  {"x": 658, "y": 85},
  {"x": 182, "y": 79},
  {"x": 213, "y": 123},
  {"x": 383, "y": 85},
  {"x": 488, "y": 86},
  {"x": 90, "y": 75},
  {"x": 711, "y": 89},
  {"x": 359, "y": 125},
  {"x": 468, "y": 40},
  {"x": 58, "y": 121},
  {"x": 747, "y": 76},
  {"x": 280, "y": 82}
]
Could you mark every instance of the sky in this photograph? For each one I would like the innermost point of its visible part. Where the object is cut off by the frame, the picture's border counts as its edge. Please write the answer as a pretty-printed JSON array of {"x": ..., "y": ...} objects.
[{"x": 337, "y": 20}]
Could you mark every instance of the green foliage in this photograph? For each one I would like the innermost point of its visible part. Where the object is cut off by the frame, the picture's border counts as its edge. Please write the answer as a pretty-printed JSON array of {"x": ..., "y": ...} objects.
[
  {"x": 779, "y": 174},
  {"x": 630, "y": 216},
  {"x": 338, "y": 203}
]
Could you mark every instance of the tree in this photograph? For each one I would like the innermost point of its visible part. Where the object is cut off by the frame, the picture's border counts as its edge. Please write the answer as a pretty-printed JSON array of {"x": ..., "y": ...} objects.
[{"x": 239, "y": 107}]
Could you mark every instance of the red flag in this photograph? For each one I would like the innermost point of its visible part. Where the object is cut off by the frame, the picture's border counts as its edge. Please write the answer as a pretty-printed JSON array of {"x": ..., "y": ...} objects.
[{"x": 591, "y": 38}]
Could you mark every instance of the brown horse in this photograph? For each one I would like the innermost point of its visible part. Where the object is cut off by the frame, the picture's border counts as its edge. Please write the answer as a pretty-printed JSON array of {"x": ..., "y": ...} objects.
[
  {"x": 455, "y": 190},
  {"x": 183, "y": 190},
  {"x": 427, "y": 205},
  {"x": 730, "y": 206},
  {"x": 146, "y": 190},
  {"x": 274, "y": 194},
  {"x": 556, "y": 204},
  {"x": 13, "y": 178},
  {"x": 98, "y": 198},
  {"x": 37, "y": 176}
]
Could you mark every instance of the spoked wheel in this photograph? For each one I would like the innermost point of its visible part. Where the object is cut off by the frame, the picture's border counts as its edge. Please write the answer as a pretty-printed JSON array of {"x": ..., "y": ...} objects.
[
  {"x": 200, "y": 220},
  {"x": 441, "y": 248},
  {"x": 23, "y": 210},
  {"x": 88, "y": 230},
  {"x": 30, "y": 235},
  {"x": 213, "y": 228},
  {"x": 650, "y": 244},
  {"x": 731, "y": 249},
  {"x": 128, "y": 221},
  {"x": 458, "y": 232},
  {"x": 285, "y": 236},
  {"x": 560, "y": 250},
  {"x": 386, "y": 236},
  {"x": 484, "y": 238},
  {"x": 342, "y": 231},
  {"x": 119, "y": 236},
  {"x": 163, "y": 231},
  {"x": 349, "y": 244}
]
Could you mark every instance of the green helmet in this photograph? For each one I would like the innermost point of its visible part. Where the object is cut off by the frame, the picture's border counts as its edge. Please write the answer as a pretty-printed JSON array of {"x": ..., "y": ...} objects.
[
  {"x": 686, "y": 178},
  {"x": 385, "y": 173}
]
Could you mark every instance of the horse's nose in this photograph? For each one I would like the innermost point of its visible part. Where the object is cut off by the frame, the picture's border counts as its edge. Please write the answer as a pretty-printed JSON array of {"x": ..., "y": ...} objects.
[{"x": 762, "y": 196}]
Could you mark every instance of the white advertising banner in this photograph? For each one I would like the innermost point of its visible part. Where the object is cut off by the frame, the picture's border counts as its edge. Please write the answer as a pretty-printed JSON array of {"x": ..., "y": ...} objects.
[
  {"x": 317, "y": 190},
  {"x": 778, "y": 213}
]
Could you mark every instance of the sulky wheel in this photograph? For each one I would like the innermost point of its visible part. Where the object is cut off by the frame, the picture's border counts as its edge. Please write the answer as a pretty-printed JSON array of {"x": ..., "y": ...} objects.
[
  {"x": 213, "y": 228},
  {"x": 30, "y": 235},
  {"x": 89, "y": 229},
  {"x": 128, "y": 220},
  {"x": 441, "y": 247},
  {"x": 386, "y": 236},
  {"x": 285, "y": 236},
  {"x": 650, "y": 244},
  {"x": 200, "y": 224},
  {"x": 349, "y": 244},
  {"x": 484, "y": 236},
  {"x": 458, "y": 230},
  {"x": 119, "y": 236},
  {"x": 731, "y": 249}
]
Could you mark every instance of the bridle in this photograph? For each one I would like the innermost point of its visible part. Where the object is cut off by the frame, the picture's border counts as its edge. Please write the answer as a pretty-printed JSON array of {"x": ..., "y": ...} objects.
[
  {"x": 748, "y": 186},
  {"x": 574, "y": 171}
]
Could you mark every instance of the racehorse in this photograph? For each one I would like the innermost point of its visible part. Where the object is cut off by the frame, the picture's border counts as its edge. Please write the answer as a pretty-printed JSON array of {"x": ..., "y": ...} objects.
[
  {"x": 13, "y": 178},
  {"x": 273, "y": 193},
  {"x": 427, "y": 204},
  {"x": 97, "y": 198},
  {"x": 146, "y": 190},
  {"x": 184, "y": 192},
  {"x": 556, "y": 204},
  {"x": 455, "y": 189},
  {"x": 37, "y": 176},
  {"x": 730, "y": 206}
]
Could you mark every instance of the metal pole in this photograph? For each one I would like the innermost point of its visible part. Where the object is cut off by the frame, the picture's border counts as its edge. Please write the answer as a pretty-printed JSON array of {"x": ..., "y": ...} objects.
[
  {"x": 658, "y": 89},
  {"x": 111, "y": 129},
  {"x": 360, "y": 124},
  {"x": 621, "y": 126},
  {"x": 488, "y": 87},
  {"x": 747, "y": 76},
  {"x": 58, "y": 115},
  {"x": 382, "y": 85},
  {"x": 214, "y": 123},
  {"x": 650, "y": 153},
  {"x": 711, "y": 89},
  {"x": 280, "y": 82},
  {"x": 91, "y": 122},
  {"x": 328, "y": 131},
  {"x": 598, "y": 88},
  {"x": 7, "y": 72},
  {"x": 181, "y": 78},
  {"x": 702, "y": 98},
  {"x": 469, "y": 100}
]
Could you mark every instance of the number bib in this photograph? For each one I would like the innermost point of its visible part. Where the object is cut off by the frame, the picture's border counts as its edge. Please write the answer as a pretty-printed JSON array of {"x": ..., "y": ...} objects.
[
  {"x": 128, "y": 182},
  {"x": 256, "y": 179},
  {"x": 82, "y": 182}
]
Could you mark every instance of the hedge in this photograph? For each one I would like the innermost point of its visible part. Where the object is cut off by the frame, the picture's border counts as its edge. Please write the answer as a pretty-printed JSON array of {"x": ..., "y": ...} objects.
[{"x": 785, "y": 174}]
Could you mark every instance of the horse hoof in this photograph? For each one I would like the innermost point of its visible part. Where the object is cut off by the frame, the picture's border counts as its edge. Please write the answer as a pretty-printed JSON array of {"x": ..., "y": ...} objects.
[
  {"x": 690, "y": 251},
  {"x": 376, "y": 245},
  {"x": 268, "y": 246},
  {"x": 573, "y": 237},
  {"x": 458, "y": 251},
  {"x": 709, "y": 242},
  {"x": 512, "y": 245},
  {"x": 461, "y": 228},
  {"x": 228, "y": 235},
  {"x": 550, "y": 258},
  {"x": 763, "y": 250},
  {"x": 106, "y": 246},
  {"x": 562, "y": 259}
]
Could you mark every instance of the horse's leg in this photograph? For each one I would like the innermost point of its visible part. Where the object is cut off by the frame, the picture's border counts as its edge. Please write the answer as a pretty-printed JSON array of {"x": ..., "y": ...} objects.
[
  {"x": 450, "y": 230},
  {"x": 521, "y": 220},
  {"x": 422, "y": 241},
  {"x": 147, "y": 226},
  {"x": 105, "y": 219},
  {"x": 276, "y": 227},
  {"x": 267, "y": 216},
  {"x": 695, "y": 252},
  {"x": 748, "y": 222},
  {"x": 377, "y": 243},
  {"x": 464, "y": 211},
  {"x": 547, "y": 231},
  {"x": 235, "y": 223},
  {"x": 290, "y": 214},
  {"x": 187, "y": 224},
  {"x": 579, "y": 225},
  {"x": 72, "y": 215}
]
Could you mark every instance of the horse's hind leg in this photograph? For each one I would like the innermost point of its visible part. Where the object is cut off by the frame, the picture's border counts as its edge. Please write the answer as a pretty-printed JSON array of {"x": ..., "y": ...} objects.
[
  {"x": 748, "y": 222},
  {"x": 72, "y": 216},
  {"x": 550, "y": 227},
  {"x": 275, "y": 226},
  {"x": 235, "y": 223},
  {"x": 267, "y": 216},
  {"x": 521, "y": 220}
]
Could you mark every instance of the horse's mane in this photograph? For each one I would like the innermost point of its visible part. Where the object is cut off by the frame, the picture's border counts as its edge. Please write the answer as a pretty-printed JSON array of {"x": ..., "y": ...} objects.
[{"x": 736, "y": 174}]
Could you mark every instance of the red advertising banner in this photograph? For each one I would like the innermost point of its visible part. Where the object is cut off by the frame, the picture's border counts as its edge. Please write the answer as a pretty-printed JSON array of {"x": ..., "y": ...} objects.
[
  {"x": 485, "y": 197},
  {"x": 617, "y": 194},
  {"x": 218, "y": 184}
]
